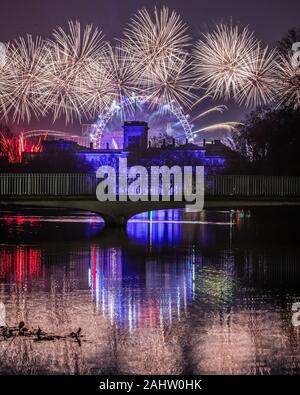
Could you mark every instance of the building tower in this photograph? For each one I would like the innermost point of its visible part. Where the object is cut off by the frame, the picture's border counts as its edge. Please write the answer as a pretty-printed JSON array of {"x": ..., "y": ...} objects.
[{"x": 135, "y": 135}]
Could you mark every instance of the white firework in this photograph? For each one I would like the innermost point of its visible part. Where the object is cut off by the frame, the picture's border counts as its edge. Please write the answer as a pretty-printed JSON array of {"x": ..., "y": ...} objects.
[
  {"x": 97, "y": 90},
  {"x": 149, "y": 39},
  {"x": 169, "y": 80},
  {"x": 77, "y": 74},
  {"x": 2, "y": 54},
  {"x": 73, "y": 61},
  {"x": 4, "y": 83},
  {"x": 219, "y": 60},
  {"x": 22, "y": 79},
  {"x": 121, "y": 67},
  {"x": 259, "y": 83},
  {"x": 287, "y": 82}
]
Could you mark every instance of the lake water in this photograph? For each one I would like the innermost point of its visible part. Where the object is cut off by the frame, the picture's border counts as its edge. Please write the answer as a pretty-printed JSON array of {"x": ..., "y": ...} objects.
[{"x": 175, "y": 293}]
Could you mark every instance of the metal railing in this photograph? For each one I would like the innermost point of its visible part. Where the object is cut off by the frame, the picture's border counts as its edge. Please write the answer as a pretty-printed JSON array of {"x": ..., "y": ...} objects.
[
  {"x": 85, "y": 184},
  {"x": 256, "y": 186},
  {"x": 47, "y": 184}
]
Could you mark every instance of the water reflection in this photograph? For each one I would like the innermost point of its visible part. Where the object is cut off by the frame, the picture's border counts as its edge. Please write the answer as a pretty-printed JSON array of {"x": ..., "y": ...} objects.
[
  {"x": 134, "y": 297},
  {"x": 175, "y": 293}
]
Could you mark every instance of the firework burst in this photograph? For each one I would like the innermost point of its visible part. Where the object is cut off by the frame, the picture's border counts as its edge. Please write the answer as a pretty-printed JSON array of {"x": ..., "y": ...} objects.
[
  {"x": 158, "y": 43},
  {"x": 114, "y": 79},
  {"x": 169, "y": 80},
  {"x": 22, "y": 89},
  {"x": 148, "y": 39},
  {"x": 259, "y": 83},
  {"x": 219, "y": 60},
  {"x": 73, "y": 63},
  {"x": 13, "y": 146},
  {"x": 4, "y": 85},
  {"x": 288, "y": 82},
  {"x": 120, "y": 66},
  {"x": 98, "y": 90},
  {"x": 77, "y": 74}
]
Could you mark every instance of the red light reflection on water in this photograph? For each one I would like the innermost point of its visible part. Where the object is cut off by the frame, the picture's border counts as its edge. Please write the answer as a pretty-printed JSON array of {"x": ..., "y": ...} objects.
[
  {"x": 20, "y": 220},
  {"x": 20, "y": 263}
]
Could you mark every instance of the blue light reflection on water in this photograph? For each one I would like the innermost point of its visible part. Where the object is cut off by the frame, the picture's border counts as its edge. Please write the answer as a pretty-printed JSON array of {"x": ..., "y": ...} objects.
[
  {"x": 152, "y": 297},
  {"x": 160, "y": 292},
  {"x": 219, "y": 284},
  {"x": 128, "y": 288}
]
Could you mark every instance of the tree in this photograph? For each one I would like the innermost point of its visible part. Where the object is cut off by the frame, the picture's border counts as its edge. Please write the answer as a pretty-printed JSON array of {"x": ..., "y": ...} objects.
[
  {"x": 270, "y": 140},
  {"x": 284, "y": 45}
]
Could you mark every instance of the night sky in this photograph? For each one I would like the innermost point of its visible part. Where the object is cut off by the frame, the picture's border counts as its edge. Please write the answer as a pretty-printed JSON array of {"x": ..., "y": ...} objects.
[{"x": 270, "y": 20}]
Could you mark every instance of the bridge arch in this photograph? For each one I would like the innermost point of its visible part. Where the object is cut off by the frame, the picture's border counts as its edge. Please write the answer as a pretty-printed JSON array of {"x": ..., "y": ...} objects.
[{"x": 78, "y": 191}]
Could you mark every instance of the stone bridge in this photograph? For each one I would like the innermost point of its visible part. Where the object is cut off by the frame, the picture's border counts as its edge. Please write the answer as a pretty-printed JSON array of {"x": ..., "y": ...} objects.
[{"x": 77, "y": 191}]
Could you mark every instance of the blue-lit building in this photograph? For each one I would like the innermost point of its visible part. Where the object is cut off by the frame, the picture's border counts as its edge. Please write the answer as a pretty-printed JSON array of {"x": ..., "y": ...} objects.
[{"x": 138, "y": 150}]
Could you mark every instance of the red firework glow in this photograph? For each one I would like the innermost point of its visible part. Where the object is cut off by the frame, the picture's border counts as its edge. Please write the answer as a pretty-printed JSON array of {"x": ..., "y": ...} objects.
[{"x": 13, "y": 146}]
